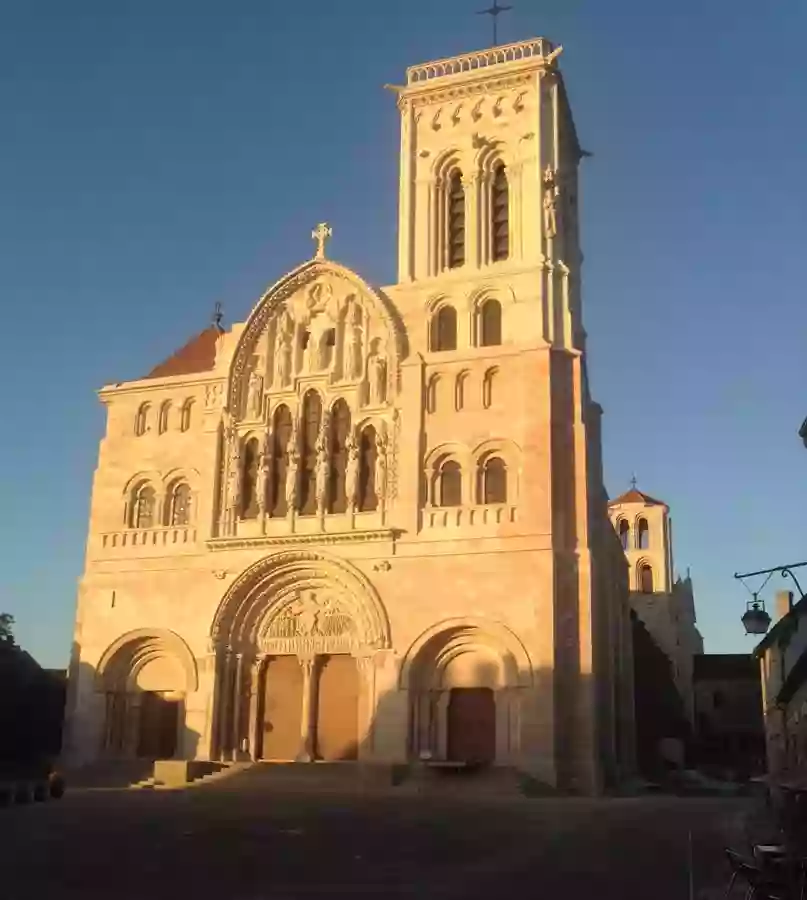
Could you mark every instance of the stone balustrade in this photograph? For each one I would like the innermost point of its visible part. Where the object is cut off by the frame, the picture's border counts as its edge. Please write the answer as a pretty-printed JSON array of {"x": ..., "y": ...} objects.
[
  {"x": 537, "y": 49},
  {"x": 449, "y": 517},
  {"x": 169, "y": 537}
]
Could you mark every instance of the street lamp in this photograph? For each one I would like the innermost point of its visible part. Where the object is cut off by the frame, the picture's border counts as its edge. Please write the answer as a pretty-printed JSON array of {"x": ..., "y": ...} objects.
[{"x": 756, "y": 619}]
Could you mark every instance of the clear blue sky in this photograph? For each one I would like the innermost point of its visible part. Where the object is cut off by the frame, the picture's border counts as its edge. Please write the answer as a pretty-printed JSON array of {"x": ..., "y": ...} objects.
[{"x": 159, "y": 156}]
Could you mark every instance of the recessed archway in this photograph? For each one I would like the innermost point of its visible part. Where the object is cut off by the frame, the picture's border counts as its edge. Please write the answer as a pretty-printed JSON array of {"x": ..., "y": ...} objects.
[
  {"x": 145, "y": 676},
  {"x": 303, "y": 608},
  {"x": 462, "y": 676}
]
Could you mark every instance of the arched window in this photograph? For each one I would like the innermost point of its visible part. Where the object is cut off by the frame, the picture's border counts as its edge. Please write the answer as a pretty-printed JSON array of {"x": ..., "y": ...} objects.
[
  {"x": 642, "y": 535},
  {"x": 645, "y": 579},
  {"x": 179, "y": 504},
  {"x": 340, "y": 432},
  {"x": 185, "y": 415},
  {"x": 162, "y": 424},
  {"x": 142, "y": 419},
  {"x": 281, "y": 432},
  {"x": 493, "y": 481},
  {"x": 456, "y": 220},
  {"x": 500, "y": 214},
  {"x": 249, "y": 482},
  {"x": 312, "y": 419},
  {"x": 459, "y": 390},
  {"x": 367, "y": 454},
  {"x": 143, "y": 504},
  {"x": 624, "y": 533},
  {"x": 431, "y": 394},
  {"x": 449, "y": 484},
  {"x": 488, "y": 388},
  {"x": 444, "y": 329},
  {"x": 490, "y": 323}
]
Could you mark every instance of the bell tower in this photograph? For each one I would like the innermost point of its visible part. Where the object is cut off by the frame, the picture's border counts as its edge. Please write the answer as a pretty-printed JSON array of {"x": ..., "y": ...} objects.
[{"x": 488, "y": 177}]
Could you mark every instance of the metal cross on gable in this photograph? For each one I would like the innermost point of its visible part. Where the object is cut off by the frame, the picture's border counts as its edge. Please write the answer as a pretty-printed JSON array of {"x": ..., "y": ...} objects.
[{"x": 321, "y": 234}]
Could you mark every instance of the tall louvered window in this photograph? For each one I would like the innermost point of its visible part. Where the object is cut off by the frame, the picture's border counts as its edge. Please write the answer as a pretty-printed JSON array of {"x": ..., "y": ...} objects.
[
  {"x": 456, "y": 220},
  {"x": 500, "y": 216}
]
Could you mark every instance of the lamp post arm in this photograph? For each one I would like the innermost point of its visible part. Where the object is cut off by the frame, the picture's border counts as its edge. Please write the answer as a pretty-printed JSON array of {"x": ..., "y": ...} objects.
[{"x": 787, "y": 573}]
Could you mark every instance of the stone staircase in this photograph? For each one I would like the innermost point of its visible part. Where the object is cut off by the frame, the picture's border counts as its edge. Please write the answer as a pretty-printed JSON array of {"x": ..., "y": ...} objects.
[
  {"x": 309, "y": 778},
  {"x": 194, "y": 778}
]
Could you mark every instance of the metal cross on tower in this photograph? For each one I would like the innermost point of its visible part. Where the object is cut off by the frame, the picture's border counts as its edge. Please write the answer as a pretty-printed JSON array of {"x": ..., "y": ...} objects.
[
  {"x": 321, "y": 234},
  {"x": 494, "y": 12}
]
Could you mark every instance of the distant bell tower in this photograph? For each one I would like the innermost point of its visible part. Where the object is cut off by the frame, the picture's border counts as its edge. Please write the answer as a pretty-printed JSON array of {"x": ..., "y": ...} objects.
[
  {"x": 489, "y": 178},
  {"x": 644, "y": 527}
]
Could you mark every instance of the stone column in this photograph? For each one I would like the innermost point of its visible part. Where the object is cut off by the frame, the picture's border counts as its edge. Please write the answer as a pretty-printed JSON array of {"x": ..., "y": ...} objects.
[
  {"x": 306, "y": 751},
  {"x": 238, "y": 704},
  {"x": 473, "y": 224},
  {"x": 224, "y": 689},
  {"x": 254, "y": 706}
]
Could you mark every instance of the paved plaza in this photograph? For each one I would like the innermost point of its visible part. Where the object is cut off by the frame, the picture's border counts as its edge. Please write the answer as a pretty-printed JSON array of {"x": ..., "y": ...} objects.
[{"x": 220, "y": 842}]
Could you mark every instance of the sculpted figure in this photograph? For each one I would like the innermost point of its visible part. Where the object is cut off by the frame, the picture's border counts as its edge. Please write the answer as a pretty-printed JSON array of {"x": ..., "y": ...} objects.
[
  {"x": 282, "y": 358},
  {"x": 291, "y": 478},
  {"x": 264, "y": 469},
  {"x": 351, "y": 472},
  {"x": 353, "y": 341},
  {"x": 551, "y": 193},
  {"x": 255, "y": 395},
  {"x": 323, "y": 471},
  {"x": 380, "y": 466},
  {"x": 377, "y": 378}
]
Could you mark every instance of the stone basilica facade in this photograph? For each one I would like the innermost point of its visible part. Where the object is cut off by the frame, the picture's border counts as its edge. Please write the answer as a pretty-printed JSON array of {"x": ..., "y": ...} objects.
[{"x": 370, "y": 523}]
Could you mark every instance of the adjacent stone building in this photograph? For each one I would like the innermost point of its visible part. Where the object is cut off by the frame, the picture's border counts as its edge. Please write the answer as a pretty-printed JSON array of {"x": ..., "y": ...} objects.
[{"x": 370, "y": 523}]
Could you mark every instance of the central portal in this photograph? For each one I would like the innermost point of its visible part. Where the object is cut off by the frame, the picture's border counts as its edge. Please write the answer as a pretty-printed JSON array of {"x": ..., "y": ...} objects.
[{"x": 332, "y": 708}]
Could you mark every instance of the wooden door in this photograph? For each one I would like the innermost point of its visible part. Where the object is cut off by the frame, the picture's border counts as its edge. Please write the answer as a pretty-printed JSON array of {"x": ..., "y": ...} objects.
[
  {"x": 282, "y": 708},
  {"x": 338, "y": 708},
  {"x": 159, "y": 721},
  {"x": 472, "y": 725}
]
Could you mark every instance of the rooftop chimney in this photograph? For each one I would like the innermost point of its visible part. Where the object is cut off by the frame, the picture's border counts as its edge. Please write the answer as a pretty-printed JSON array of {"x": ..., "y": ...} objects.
[{"x": 784, "y": 603}]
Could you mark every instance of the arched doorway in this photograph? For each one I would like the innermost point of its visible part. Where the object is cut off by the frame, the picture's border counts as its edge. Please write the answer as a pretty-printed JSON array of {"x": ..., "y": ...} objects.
[
  {"x": 145, "y": 677},
  {"x": 464, "y": 678},
  {"x": 289, "y": 634}
]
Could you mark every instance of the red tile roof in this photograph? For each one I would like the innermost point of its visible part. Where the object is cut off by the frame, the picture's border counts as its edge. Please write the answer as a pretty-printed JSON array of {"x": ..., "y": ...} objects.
[
  {"x": 634, "y": 496},
  {"x": 198, "y": 355}
]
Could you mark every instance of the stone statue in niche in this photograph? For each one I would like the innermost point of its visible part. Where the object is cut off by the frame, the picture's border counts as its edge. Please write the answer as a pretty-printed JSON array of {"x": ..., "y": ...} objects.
[
  {"x": 380, "y": 466},
  {"x": 264, "y": 469},
  {"x": 255, "y": 395},
  {"x": 353, "y": 340},
  {"x": 283, "y": 349},
  {"x": 323, "y": 473},
  {"x": 551, "y": 194},
  {"x": 351, "y": 472},
  {"x": 233, "y": 495},
  {"x": 213, "y": 395},
  {"x": 376, "y": 376},
  {"x": 292, "y": 469}
]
